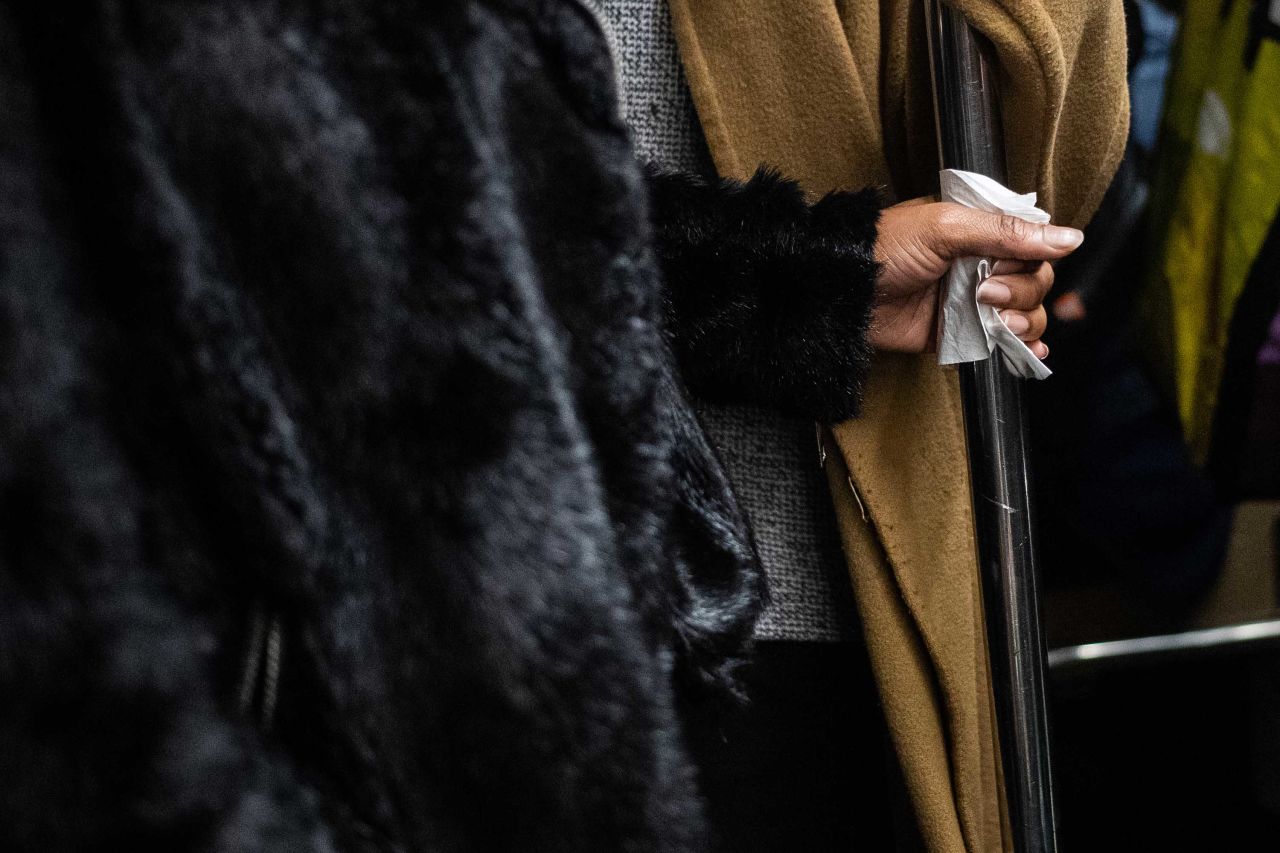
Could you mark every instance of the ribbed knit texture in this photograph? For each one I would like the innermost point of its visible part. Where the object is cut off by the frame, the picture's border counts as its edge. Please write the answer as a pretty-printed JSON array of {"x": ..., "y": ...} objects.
[{"x": 771, "y": 459}]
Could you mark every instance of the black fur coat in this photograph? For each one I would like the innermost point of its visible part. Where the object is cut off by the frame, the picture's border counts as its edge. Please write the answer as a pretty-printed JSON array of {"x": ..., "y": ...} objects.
[{"x": 350, "y": 498}]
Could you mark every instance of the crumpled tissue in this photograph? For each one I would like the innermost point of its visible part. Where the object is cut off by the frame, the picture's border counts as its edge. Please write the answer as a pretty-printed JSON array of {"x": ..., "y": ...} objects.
[{"x": 970, "y": 330}]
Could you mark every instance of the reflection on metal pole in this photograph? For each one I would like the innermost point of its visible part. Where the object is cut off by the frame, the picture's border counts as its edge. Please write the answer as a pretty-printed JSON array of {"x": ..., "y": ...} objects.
[{"x": 969, "y": 137}]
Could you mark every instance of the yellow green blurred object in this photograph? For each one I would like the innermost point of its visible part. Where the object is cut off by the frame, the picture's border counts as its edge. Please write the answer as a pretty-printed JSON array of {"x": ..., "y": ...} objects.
[{"x": 1216, "y": 194}]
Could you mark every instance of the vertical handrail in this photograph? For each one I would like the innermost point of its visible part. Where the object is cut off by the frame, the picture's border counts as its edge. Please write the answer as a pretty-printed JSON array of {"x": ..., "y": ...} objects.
[{"x": 967, "y": 115}]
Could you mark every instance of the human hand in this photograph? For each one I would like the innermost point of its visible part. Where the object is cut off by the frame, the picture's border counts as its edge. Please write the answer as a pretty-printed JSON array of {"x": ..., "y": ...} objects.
[{"x": 916, "y": 244}]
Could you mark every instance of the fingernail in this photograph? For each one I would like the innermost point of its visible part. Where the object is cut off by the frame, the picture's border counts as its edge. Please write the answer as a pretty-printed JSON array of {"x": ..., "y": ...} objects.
[
  {"x": 1017, "y": 323},
  {"x": 1062, "y": 238},
  {"x": 1044, "y": 351},
  {"x": 994, "y": 293}
]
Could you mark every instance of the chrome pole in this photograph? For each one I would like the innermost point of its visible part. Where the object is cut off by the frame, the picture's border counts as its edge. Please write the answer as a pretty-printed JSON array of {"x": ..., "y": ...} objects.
[{"x": 967, "y": 117}]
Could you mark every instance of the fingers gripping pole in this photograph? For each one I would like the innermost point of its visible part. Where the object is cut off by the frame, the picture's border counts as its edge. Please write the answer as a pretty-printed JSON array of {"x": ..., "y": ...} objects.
[{"x": 967, "y": 117}]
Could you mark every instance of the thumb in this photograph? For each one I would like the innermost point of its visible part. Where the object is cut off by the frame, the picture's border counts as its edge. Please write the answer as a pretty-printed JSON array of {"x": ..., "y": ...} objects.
[{"x": 976, "y": 233}]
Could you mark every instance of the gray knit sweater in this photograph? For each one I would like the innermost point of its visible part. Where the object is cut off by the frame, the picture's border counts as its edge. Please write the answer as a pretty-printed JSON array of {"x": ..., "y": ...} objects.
[{"x": 771, "y": 458}]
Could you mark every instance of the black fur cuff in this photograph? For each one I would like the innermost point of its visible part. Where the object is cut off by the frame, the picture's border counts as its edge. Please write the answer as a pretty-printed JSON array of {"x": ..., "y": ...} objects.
[{"x": 768, "y": 297}]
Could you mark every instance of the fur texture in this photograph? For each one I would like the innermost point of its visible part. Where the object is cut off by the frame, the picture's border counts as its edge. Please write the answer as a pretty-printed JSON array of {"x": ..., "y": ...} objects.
[
  {"x": 770, "y": 296},
  {"x": 343, "y": 318}
]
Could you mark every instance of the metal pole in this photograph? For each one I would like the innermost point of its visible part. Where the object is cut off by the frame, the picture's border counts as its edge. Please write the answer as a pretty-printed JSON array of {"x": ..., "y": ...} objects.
[{"x": 969, "y": 137}]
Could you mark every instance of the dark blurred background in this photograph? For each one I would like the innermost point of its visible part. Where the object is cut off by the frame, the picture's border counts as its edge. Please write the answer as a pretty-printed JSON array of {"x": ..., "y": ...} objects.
[{"x": 1157, "y": 454}]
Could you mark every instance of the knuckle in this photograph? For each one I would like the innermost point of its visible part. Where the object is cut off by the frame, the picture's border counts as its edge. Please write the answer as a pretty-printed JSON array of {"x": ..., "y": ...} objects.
[
  {"x": 1023, "y": 292},
  {"x": 1039, "y": 322},
  {"x": 949, "y": 216},
  {"x": 946, "y": 229},
  {"x": 1030, "y": 296},
  {"x": 1012, "y": 229}
]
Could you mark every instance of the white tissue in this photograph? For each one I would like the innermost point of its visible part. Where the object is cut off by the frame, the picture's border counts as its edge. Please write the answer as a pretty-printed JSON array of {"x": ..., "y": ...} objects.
[{"x": 970, "y": 330}]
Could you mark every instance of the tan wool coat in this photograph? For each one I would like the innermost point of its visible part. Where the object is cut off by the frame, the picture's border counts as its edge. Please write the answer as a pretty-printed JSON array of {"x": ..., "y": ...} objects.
[{"x": 836, "y": 94}]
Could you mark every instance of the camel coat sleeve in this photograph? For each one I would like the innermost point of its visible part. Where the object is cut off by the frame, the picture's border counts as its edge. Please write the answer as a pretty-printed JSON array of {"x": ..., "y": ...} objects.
[{"x": 836, "y": 94}]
